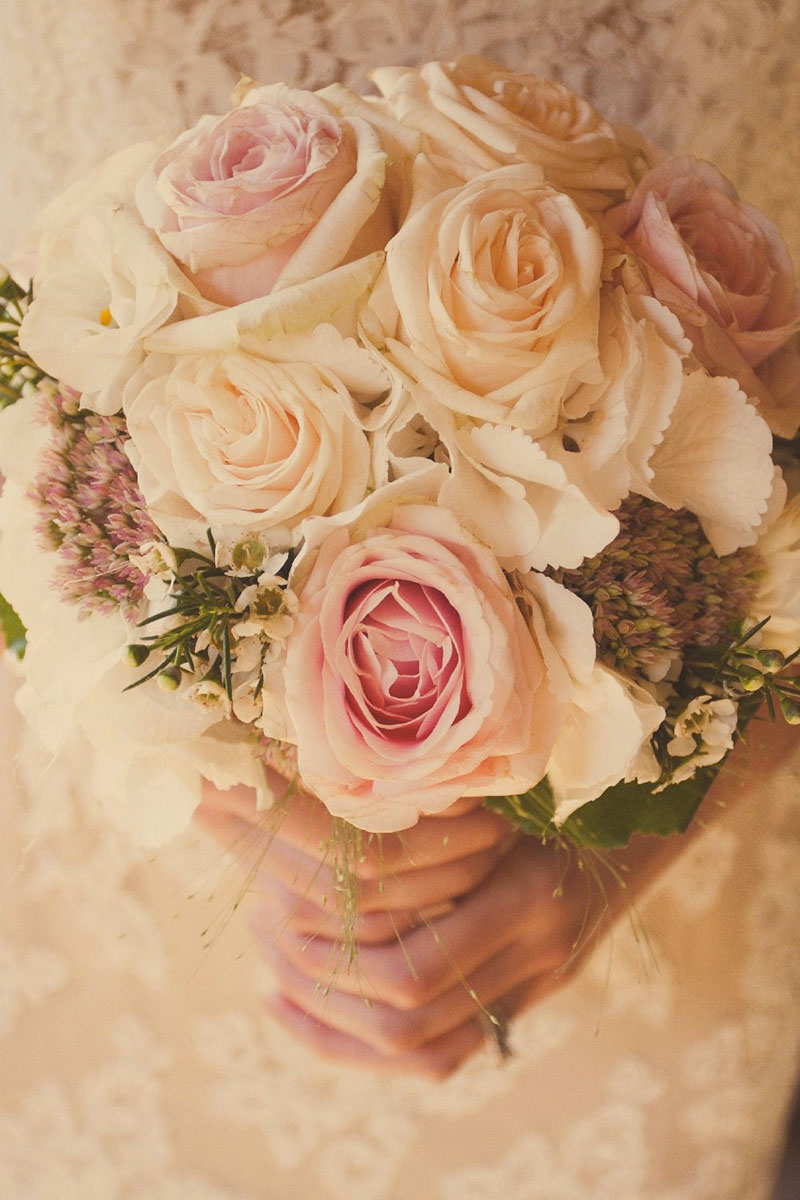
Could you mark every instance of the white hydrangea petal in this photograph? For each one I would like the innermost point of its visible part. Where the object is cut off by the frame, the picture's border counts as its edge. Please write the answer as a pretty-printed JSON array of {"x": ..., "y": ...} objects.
[
  {"x": 564, "y": 627},
  {"x": 603, "y": 732},
  {"x": 716, "y": 461},
  {"x": 151, "y": 798},
  {"x": 514, "y": 497},
  {"x": 778, "y": 594},
  {"x": 609, "y": 429}
]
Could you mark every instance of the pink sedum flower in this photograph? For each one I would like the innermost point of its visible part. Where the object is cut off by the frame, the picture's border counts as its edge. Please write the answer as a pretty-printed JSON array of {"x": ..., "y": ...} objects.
[
  {"x": 719, "y": 264},
  {"x": 411, "y": 676},
  {"x": 273, "y": 193}
]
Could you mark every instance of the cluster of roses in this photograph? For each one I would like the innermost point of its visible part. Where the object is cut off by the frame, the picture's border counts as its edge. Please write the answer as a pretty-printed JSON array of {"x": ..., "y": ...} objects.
[{"x": 419, "y": 348}]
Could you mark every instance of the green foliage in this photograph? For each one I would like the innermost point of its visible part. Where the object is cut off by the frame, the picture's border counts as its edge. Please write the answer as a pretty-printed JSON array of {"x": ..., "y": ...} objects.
[
  {"x": 19, "y": 374},
  {"x": 203, "y": 610},
  {"x": 659, "y": 808},
  {"x": 11, "y": 628},
  {"x": 202, "y": 604},
  {"x": 614, "y": 817}
]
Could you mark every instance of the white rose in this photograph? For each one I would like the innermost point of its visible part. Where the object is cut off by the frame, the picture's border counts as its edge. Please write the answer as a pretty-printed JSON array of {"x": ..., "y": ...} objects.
[
  {"x": 497, "y": 289},
  {"x": 237, "y": 443},
  {"x": 474, "y": 111},
  {"x": 103, "y": 283}
]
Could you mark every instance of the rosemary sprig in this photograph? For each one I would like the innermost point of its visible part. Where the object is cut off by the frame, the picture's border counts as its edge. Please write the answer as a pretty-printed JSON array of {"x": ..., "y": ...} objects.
[
  {"x": 742, "y": 670},
  {"x": 200, "y": 617},
  {"x": 204, "y": 600}
]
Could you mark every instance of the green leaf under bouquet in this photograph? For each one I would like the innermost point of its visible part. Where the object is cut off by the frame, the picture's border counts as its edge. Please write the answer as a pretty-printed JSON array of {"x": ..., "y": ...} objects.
[
  {"x": 610, "y": 821},
  {"x": 11, "y": 628}
]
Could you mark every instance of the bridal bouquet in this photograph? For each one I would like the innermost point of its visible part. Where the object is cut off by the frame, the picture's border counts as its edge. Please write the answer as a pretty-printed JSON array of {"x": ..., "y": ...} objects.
[{"x": 425, "y": 445}]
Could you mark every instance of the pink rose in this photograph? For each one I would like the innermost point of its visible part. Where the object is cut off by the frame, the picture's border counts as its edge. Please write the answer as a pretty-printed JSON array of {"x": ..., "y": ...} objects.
[
  {"x": 411, "y": 676},
  {"x": 720, "y": 265},
  {"x": 276, "y": 192}
]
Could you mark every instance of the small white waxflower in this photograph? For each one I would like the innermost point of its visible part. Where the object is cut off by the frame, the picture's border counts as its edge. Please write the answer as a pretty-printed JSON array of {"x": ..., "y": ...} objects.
[
  {"x": 210, "y": 696},
  {"x": 156, "y": 559},
  {"x": 703, "y": 735}
]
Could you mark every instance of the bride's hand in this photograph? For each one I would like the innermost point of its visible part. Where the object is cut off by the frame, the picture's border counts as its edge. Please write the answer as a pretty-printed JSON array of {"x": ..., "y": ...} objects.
[
  {"x": 403, "y": 879},
  {"x": 456, "y": 916},
  {"x": 433, "y": 912},
  {"x": 487, "y": 923}
]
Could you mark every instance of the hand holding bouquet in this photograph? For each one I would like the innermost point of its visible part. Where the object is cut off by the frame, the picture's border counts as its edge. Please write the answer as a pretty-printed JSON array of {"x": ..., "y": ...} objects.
[{"x": 425, "y": 446}]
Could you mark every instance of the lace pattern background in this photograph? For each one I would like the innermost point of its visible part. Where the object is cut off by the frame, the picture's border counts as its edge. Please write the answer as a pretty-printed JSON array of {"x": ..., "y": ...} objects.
[{"x": 136, "y": 1061}]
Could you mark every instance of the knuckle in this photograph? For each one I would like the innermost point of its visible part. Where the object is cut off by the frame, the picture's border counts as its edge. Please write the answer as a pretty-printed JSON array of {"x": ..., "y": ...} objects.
[
  {"x": 397, "y": 1033},
  {"x": 406, "y": 991}
]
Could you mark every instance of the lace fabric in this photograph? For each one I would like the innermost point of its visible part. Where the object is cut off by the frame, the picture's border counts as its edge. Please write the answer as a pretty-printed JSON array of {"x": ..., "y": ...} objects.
[{"x": 137, "y": 1061}]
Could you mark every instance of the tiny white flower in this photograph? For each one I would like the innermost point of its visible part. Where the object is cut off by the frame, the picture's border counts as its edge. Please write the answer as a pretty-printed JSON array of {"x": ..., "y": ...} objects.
[
  {"x": 210, "y": 696},
  {"x": 156, "y": 558},
  {"x": 703, "y": 735}
]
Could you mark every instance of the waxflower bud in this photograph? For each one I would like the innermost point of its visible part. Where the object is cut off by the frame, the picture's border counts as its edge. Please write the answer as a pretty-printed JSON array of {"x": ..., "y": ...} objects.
[
  {"x": 770, "y": 661},
  {"x": 749, "y": 679},
  {"x": 134, "y": 655},
  {"x": 169, "y": 680}
]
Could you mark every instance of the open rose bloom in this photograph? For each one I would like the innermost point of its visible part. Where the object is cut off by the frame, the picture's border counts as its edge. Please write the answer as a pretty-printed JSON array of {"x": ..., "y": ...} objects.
[{"x": 422, "y": 442}]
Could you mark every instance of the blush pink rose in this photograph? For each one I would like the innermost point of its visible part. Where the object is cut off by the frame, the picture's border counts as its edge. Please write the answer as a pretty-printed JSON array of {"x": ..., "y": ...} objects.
[
  {"x": 411, "y": 676},
  {"x": 273, "y": 193},
  {"x": 720, "y": 265}
]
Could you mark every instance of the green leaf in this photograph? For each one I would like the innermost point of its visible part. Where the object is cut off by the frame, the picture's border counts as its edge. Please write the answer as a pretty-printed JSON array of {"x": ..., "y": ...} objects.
[
  {"x": 11, "y": 628},
  {"x": 614, "y": 817},
  {"x": 629, "y": 808},
  {"x": 532, "y": 811}
]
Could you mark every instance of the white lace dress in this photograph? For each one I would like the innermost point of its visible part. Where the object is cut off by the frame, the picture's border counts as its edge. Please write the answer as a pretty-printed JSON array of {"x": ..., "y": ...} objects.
[{"x": 135, "y": 1060}]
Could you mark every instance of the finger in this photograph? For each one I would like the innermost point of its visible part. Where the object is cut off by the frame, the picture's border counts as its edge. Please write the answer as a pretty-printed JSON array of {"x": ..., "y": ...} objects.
[
  {"x": 391, "y": 1030},
  {"x": 435, "y": 1061},
  {"x": 282, "y": 910},
  {"x": 421, "y": 967},
  {"x": 305, "y": 823},
  {"x": 418, "y": 888},
  {"x": 433, "y": 841},
  {"x": 311, "y": 879}
]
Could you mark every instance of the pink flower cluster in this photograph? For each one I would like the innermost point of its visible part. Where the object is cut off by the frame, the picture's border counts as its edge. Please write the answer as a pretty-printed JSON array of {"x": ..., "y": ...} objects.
[
  {"x": 91, "y": 509},
  {"x": 659, "y": 589}
]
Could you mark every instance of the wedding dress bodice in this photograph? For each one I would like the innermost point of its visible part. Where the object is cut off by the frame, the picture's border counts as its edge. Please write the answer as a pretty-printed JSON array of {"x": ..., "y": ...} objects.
[{"x": 136, "y": 1062}]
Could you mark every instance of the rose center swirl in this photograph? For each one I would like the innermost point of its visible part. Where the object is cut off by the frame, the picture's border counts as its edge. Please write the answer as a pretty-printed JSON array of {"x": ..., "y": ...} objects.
[{"x": 404, "y": 644}]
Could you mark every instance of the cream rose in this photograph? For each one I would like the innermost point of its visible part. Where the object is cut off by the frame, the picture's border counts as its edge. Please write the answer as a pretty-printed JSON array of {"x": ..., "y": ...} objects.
[
  {"x": 476, "y": 111},
  {"x": 235, "y": 442},
  {"x": 275, "y": 192},
  {"x": 411, "y": 675},
  {"x": 497, "y": 289}
]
